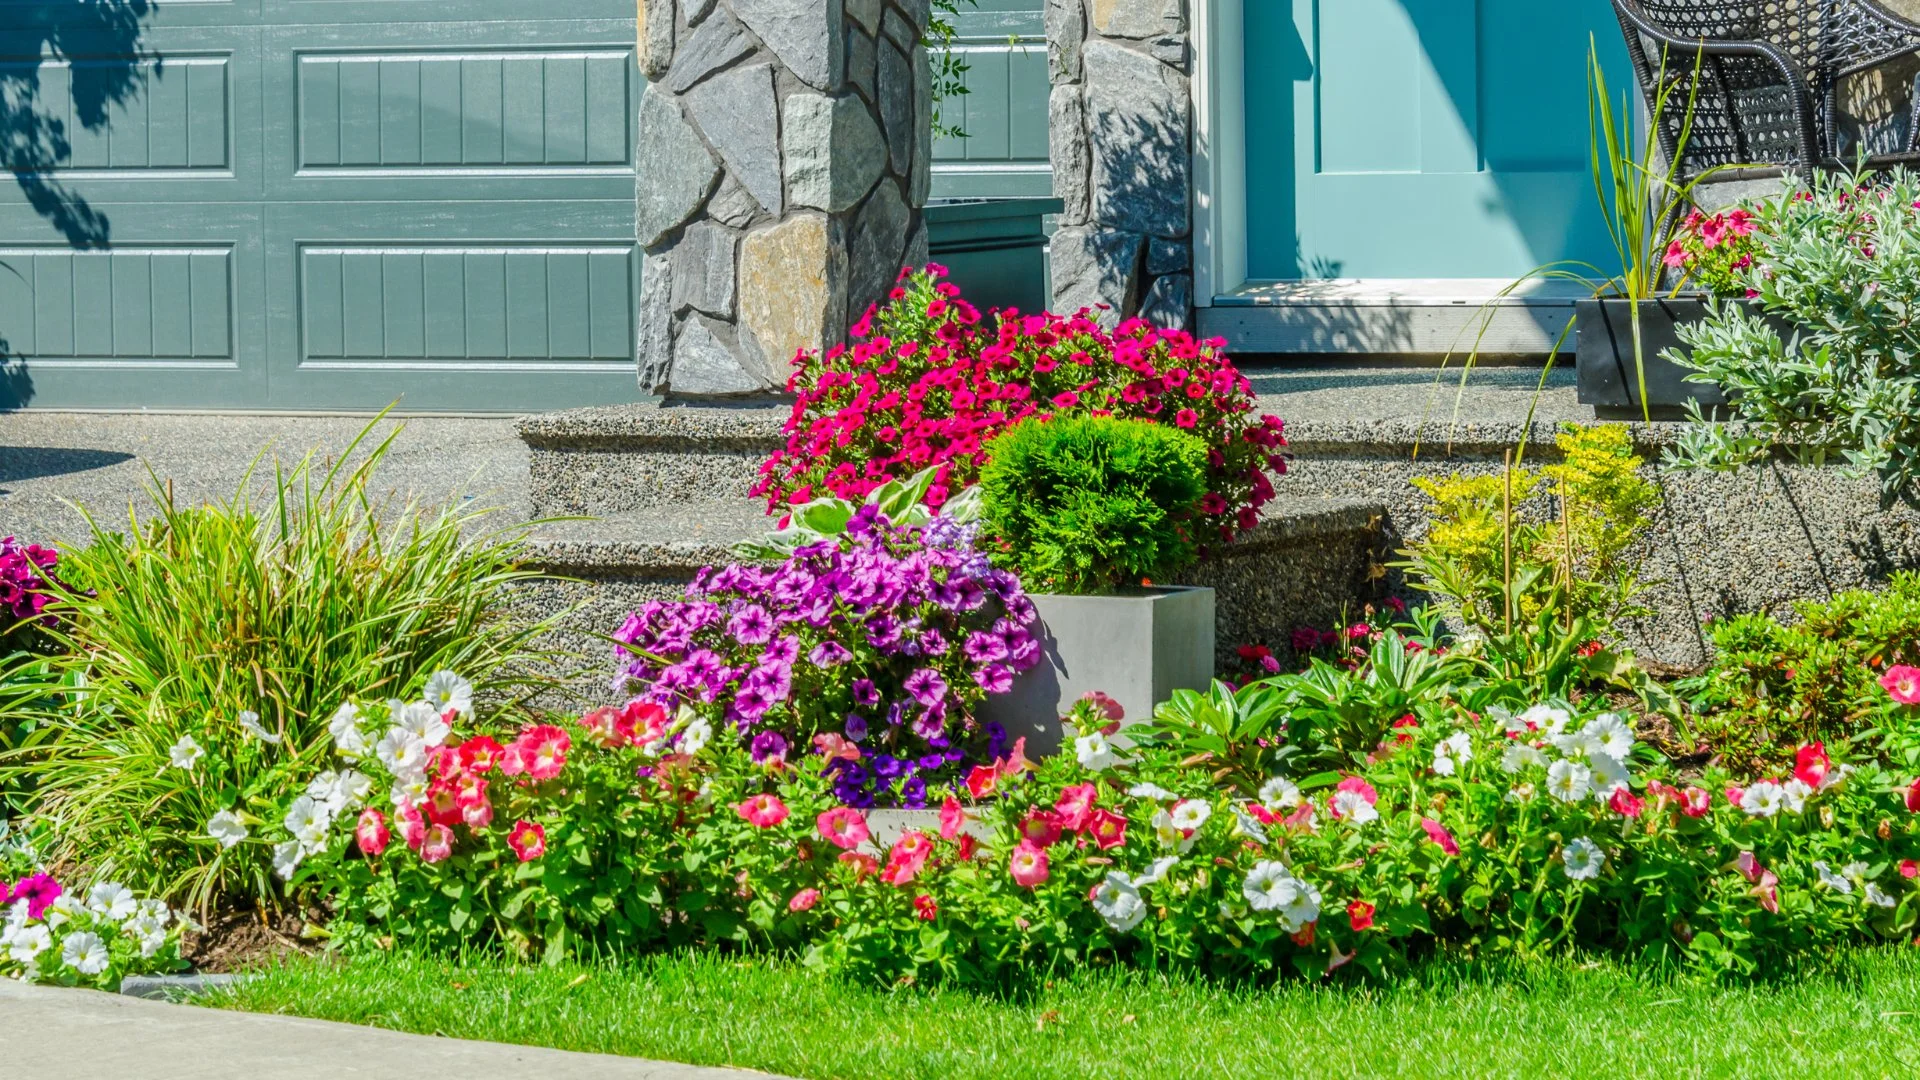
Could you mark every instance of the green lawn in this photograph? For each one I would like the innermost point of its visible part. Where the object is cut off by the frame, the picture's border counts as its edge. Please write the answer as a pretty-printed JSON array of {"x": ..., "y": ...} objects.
[{"x": 1563, "y": 1020}]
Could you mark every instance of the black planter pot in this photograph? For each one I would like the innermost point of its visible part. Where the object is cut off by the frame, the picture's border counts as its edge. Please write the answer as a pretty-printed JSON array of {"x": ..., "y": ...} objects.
[{"x": 1607, "y": 374}]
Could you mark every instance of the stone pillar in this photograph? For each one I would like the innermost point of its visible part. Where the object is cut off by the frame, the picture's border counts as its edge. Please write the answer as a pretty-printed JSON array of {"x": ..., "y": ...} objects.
[
  {"x": 784, "y": 156},
  {"x": 1121, "y": 122}
]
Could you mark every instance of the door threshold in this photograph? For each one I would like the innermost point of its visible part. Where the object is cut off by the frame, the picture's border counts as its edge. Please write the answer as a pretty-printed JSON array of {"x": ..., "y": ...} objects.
[{"x": 1396, "y": 316}]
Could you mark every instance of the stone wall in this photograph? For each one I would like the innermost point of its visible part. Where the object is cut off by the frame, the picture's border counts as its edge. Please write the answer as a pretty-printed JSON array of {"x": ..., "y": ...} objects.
[
  {"x": 1121, "y": 121},
  {"x": 785, "y": 150}
]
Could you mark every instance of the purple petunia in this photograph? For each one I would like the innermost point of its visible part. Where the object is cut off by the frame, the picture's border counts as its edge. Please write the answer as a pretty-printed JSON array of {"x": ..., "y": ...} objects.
[
  {"x": 994, "y": 678},
  {"x": 985, "y": 647},
  {"x": 865, "y": 692},
  {"x": 926, "y": 687},
  {"x": 856, "y": 727},
  {"x": 769, "y": 746},
  {"x": 751, "y": 625},
  {"x": 829, "y": 654}
]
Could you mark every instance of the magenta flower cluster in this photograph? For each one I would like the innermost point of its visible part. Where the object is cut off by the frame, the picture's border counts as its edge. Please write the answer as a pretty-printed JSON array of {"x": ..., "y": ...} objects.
[
  {"x": 26, "y": 581},
  {"x": 36, "y": 891},
  {"x": 888, "y": 642}
]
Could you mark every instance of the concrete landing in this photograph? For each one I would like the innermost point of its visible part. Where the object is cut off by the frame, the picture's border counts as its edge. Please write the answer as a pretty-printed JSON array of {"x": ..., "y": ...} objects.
[{"x": 57, "y": 1034}]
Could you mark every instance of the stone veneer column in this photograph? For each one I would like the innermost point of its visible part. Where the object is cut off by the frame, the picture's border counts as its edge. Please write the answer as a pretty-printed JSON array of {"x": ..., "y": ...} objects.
[
  {"x": 784, "y": 156},
  {"x": 1121, "y": 125}
]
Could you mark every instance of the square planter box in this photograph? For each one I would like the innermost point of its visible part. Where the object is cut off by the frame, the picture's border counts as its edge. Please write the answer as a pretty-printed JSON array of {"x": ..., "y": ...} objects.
[
  {"x": 1604, "y": 365},
  {"x": 1138, "y": 647}
]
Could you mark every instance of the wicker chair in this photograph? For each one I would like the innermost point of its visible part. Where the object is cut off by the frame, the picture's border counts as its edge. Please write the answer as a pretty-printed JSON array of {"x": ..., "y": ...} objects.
[{"x": 1784, "y": 84}]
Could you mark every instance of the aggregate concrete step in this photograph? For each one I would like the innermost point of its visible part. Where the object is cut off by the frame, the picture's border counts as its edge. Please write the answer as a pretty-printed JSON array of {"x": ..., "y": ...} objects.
[{"x": 1310, "y": 562}]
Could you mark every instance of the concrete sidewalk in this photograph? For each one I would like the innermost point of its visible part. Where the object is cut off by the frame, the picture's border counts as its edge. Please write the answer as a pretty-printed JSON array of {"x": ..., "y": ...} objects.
[{"x": 56, "y": 1034}]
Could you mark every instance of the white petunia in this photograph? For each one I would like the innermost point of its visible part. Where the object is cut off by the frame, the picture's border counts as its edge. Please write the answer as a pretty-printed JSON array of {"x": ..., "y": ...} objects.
[
  {"x": 349, "y": 738},
  {"x": 65, "y": 908},
  {"x": 1279, "y": 794},
  {"x": 1270, "y": 886},
  {"x": 1546, "y": 718},
  {"x": 250, "y": 723},
  {"x": 1148, "y": 790},
  {"x": 1763, "y": 798},
  {"x": 1837, "y": 882},
  {"x": 409, "y": 791},
  {"x": 696, "y": 736},
  {"x": 1119, "y": 903},
  {"x": 1879, "y": 899},
  {"x": 1609, "y": 775},
  {"x": 1568, "y": 781},
  {"x": 338, "y": 791},
  {"x": 1582, "y": 858},
  {"x": 227, "y": 828},
  {"x": 1353, "y": 808},
  {"x": 28, "y": 943},
  {"x": 1519, "y": 755},
  {"x": 445, "y": 691},
  {"x": 1610, "y": 734},
  {"x": 307, "y": 819},
  {"x": 85, "y": 953},
  {"x": 1156, "y": 871},
  {"x": 1094, "y": 753},
  {"x": 1168, "y": 834},
  {"x": 1250, "y": 826},
  {"x": 420, "y": 720},
  {"x": 403, "y": 753},
  {"x": 185, "y": 754},
  {"x": 112, "y": 900},
  {"x": 1457, "y": 747},
  {"x": 1189, "y": 814},
  {"x": 286, "y": 858},
  {"x": 1794, "y": 793}
]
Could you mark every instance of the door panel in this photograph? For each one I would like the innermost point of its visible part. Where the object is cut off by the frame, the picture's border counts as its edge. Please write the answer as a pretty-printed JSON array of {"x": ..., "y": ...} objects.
[
  {"x": 1003, "y": 112},
  {"x": 1421, "y": 138}
]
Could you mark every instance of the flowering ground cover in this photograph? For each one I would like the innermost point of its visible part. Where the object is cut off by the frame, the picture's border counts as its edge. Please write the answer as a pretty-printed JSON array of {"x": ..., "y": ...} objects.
[{"x": 1566, "y": 1018}]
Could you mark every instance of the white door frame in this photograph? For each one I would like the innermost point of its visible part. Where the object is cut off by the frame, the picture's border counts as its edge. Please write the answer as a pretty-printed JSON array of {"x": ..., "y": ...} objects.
[{"x": 1219, "y": 148}]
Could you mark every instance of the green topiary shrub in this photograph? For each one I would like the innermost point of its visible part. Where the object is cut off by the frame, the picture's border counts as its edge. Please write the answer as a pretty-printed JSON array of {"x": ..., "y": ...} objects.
[{"x": 1091, "y": 504}]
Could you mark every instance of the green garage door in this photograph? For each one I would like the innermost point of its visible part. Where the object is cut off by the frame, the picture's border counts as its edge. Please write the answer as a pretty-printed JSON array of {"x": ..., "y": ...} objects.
[
  {"x": 318, "y": 204},
  {"x": 1004, "y": 111}
]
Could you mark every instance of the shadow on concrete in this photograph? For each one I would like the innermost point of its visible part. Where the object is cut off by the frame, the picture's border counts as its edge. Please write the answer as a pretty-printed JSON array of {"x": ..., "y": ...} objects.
[{"x": 19, "y": 463}]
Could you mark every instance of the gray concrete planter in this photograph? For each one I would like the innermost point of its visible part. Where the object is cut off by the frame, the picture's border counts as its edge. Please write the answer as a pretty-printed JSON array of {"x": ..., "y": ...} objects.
[
  {"x": 1609, "y": 376},
  {"x": 1138, "y": 647}
]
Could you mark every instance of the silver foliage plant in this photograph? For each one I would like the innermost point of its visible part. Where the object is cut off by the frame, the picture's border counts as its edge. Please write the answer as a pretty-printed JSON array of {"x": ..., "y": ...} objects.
[{"x": 1823, "y": 363}]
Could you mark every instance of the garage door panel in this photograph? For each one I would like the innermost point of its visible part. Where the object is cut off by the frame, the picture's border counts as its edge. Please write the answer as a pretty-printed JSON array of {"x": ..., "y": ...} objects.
[
  {"x": 169, "y": 316},
  {"x": 464, "y": 15}
]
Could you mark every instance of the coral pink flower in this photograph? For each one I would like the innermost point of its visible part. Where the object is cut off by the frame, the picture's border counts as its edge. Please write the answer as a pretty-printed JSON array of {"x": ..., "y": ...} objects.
[
  {"x": 528, "y": 839},
  {"x": 1108, "y": 829},
  {"x": 1016, "y": 760},
  {"x": 1108, "y": 707},
  {"x": 479, "y": 754},
  {"x": 1360, "y": 915},
  {"x": 1626, "y": 803},
  {"x": 1041, "y": 828},
  {"x": 843, "y": 827},
  {"x": 1676, "y": 254},
  {"x": 912, "y": 849},
  {"x": 832, "y": 746},
  {"x": 1438, "y": 834},
  {"x": 804, "y": 900},
  {"x": 1913, "y": 797},
  {"x": 863, "y": 865},
  {"x": 1735, "y": 794},
  {"x": 372, "y": 833},
  {"x": 982, "y": 781},
  {"x": 1909, "y": 869},
  {"x": 544, "y": 749},
  {"x": 1076, "y": 805},
  {"x": 953, "y": 818},
  {"x": 1028, "y": 867},
  {"x": 477, "y": 815},
  {"x": 763, "y": 811},
  {"x": 600, "y": 726},
  {"x": 967, "y": 846},
  {"x": 1810, "y": 765},
  {"x": 1359, "y": 786},
  {"x": 1765, "y": 884},
  {"x": 925, "y": 908},
  {"x": 1902, "y": 684},
  {"x": 469, "y": 788},
  {"x": 413, "y": 827},
  {"x": 1696, "y": 801},
  {"x": 438, "y": 846}
]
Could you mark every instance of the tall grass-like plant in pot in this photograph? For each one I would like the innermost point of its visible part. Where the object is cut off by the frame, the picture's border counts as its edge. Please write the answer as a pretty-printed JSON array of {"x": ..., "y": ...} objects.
[{"x": 1092, "y": 513}]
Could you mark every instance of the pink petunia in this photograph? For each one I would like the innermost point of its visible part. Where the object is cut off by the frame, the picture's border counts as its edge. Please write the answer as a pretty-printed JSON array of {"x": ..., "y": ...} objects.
[
  {"x": 372, "y": 833},
  {"x": 804, "y": 900},
  {"x": 953, "y": 818},
  {"x": 1438, "y": 834},
  {"x": 1811, "y": 765},
  {"x": 1902, "y": 683},
  {"x": 843, "y": 827},
  {"x": 1077, "y": 803},
  {"x": 763, "y": 811},
  {"x": 528, "y": 839},
  {"x": 1108, "y": 829},
  {"x": 1028, "y": 866},
  {"x": 438, "y": 846},
  {"x": 1041, "y": 828}
]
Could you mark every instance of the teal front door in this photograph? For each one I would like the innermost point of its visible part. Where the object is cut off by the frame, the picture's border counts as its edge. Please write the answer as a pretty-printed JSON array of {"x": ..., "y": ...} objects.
[
  {"x": 1421, "y": 138},
  {"x": 318, "y": 204}
]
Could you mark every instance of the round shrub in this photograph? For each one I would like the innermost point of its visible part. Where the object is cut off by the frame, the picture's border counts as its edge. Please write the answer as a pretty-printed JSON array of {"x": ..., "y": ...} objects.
[
  {"x": 1090, "y": 504},
  {"x": 927, "y": 382}
]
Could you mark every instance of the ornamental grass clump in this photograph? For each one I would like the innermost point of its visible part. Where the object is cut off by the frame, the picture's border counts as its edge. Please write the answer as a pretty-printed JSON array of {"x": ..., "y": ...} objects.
[
  {"x": 927, "y": 383},
  {"x": 216, "y": 641},
  {"x": 884, "y": 638},
  {"x": 1092, "y": 504}
]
